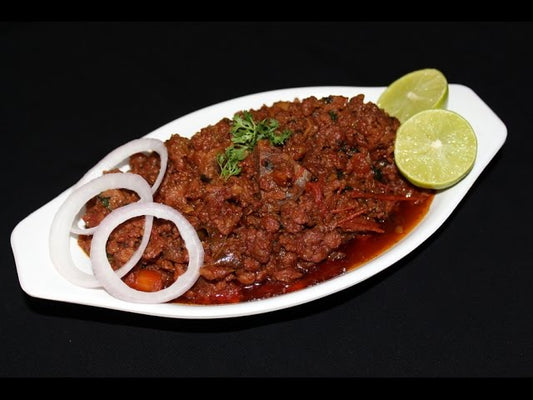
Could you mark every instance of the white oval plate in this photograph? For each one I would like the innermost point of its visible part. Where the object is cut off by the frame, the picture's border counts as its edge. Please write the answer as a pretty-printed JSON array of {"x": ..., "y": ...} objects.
[{"x": 38, "y": 277}]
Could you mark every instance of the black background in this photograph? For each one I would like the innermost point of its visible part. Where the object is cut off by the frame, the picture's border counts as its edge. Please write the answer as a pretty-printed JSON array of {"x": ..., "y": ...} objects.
[{"x": 460, "y": 305}]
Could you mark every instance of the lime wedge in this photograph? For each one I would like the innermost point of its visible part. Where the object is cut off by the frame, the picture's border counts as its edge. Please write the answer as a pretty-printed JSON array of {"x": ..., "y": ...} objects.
[
  {"x": 435, "y": 149},
  {"x": 417, "y": 91}
]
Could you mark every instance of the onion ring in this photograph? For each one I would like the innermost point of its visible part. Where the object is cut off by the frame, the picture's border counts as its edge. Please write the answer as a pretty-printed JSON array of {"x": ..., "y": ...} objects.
[
  {"x": 111, "y": 281},
  {"x": 114, "y": 158},
  {"x": 59, "y": 241}
]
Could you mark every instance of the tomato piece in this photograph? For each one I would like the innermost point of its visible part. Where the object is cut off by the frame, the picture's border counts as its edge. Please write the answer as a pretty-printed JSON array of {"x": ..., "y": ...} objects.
[{"x": 145, "y": 280}]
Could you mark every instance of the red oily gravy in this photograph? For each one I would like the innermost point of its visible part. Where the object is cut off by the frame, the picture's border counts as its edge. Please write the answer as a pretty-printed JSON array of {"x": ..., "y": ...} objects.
[{"x": 356, "y": 253}]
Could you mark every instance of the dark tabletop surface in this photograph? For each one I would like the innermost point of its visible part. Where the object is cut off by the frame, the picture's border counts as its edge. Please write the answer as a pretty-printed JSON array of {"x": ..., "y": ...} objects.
[{"x": 459, "y": 305}]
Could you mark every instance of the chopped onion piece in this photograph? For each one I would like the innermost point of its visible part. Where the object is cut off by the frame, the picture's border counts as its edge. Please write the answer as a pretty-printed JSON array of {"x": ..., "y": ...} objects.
[
  {"x": 112, "y": 282},
  {"x": 117, "y": 156},
  {"x": 60, "y": 231}
]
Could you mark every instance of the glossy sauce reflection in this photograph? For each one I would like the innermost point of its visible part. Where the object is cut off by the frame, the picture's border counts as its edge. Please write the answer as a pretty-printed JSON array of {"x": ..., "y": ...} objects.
[{"x": 358, "y": 252}]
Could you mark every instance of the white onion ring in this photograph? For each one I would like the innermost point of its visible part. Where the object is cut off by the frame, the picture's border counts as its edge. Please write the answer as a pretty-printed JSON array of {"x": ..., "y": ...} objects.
[
  {"x": 113, "y": 159},
  {"x": 110, "y": 280},
  {"x": 59, "y": 241}
]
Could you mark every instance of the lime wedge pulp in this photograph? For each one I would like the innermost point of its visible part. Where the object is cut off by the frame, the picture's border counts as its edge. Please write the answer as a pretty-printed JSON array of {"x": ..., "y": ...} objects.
[
  {"x": 435, "y": 149},
  {"x": 417, "y": 91}
]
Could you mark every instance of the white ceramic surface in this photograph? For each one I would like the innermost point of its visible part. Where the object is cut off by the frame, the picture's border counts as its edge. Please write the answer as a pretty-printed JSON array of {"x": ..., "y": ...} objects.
[{"x": 38, "y": 277}]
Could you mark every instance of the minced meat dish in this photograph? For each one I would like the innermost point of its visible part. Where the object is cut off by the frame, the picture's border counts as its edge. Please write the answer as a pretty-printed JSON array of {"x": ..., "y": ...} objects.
[{"x": 292, "y": 207}]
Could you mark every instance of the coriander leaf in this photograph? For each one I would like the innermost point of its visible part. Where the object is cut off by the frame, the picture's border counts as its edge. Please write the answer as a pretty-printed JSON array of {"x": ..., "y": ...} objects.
[
  {"x": 104, "y": 201},
  {"x": 245, "y": 133},
  {"x": 280, "y": 139}
]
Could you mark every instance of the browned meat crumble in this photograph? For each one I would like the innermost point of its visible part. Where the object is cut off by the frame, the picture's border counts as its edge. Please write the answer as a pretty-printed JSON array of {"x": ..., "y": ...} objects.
[{"x": 291, "y": 208}]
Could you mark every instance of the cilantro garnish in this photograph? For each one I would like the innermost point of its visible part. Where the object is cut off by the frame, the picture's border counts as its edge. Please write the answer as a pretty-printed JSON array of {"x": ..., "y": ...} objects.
[{"x": 245, "y": 133}]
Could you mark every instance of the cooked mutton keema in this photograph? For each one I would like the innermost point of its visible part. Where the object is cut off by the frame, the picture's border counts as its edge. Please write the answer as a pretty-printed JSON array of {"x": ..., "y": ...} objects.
[{"x": 287, "y": 209}]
